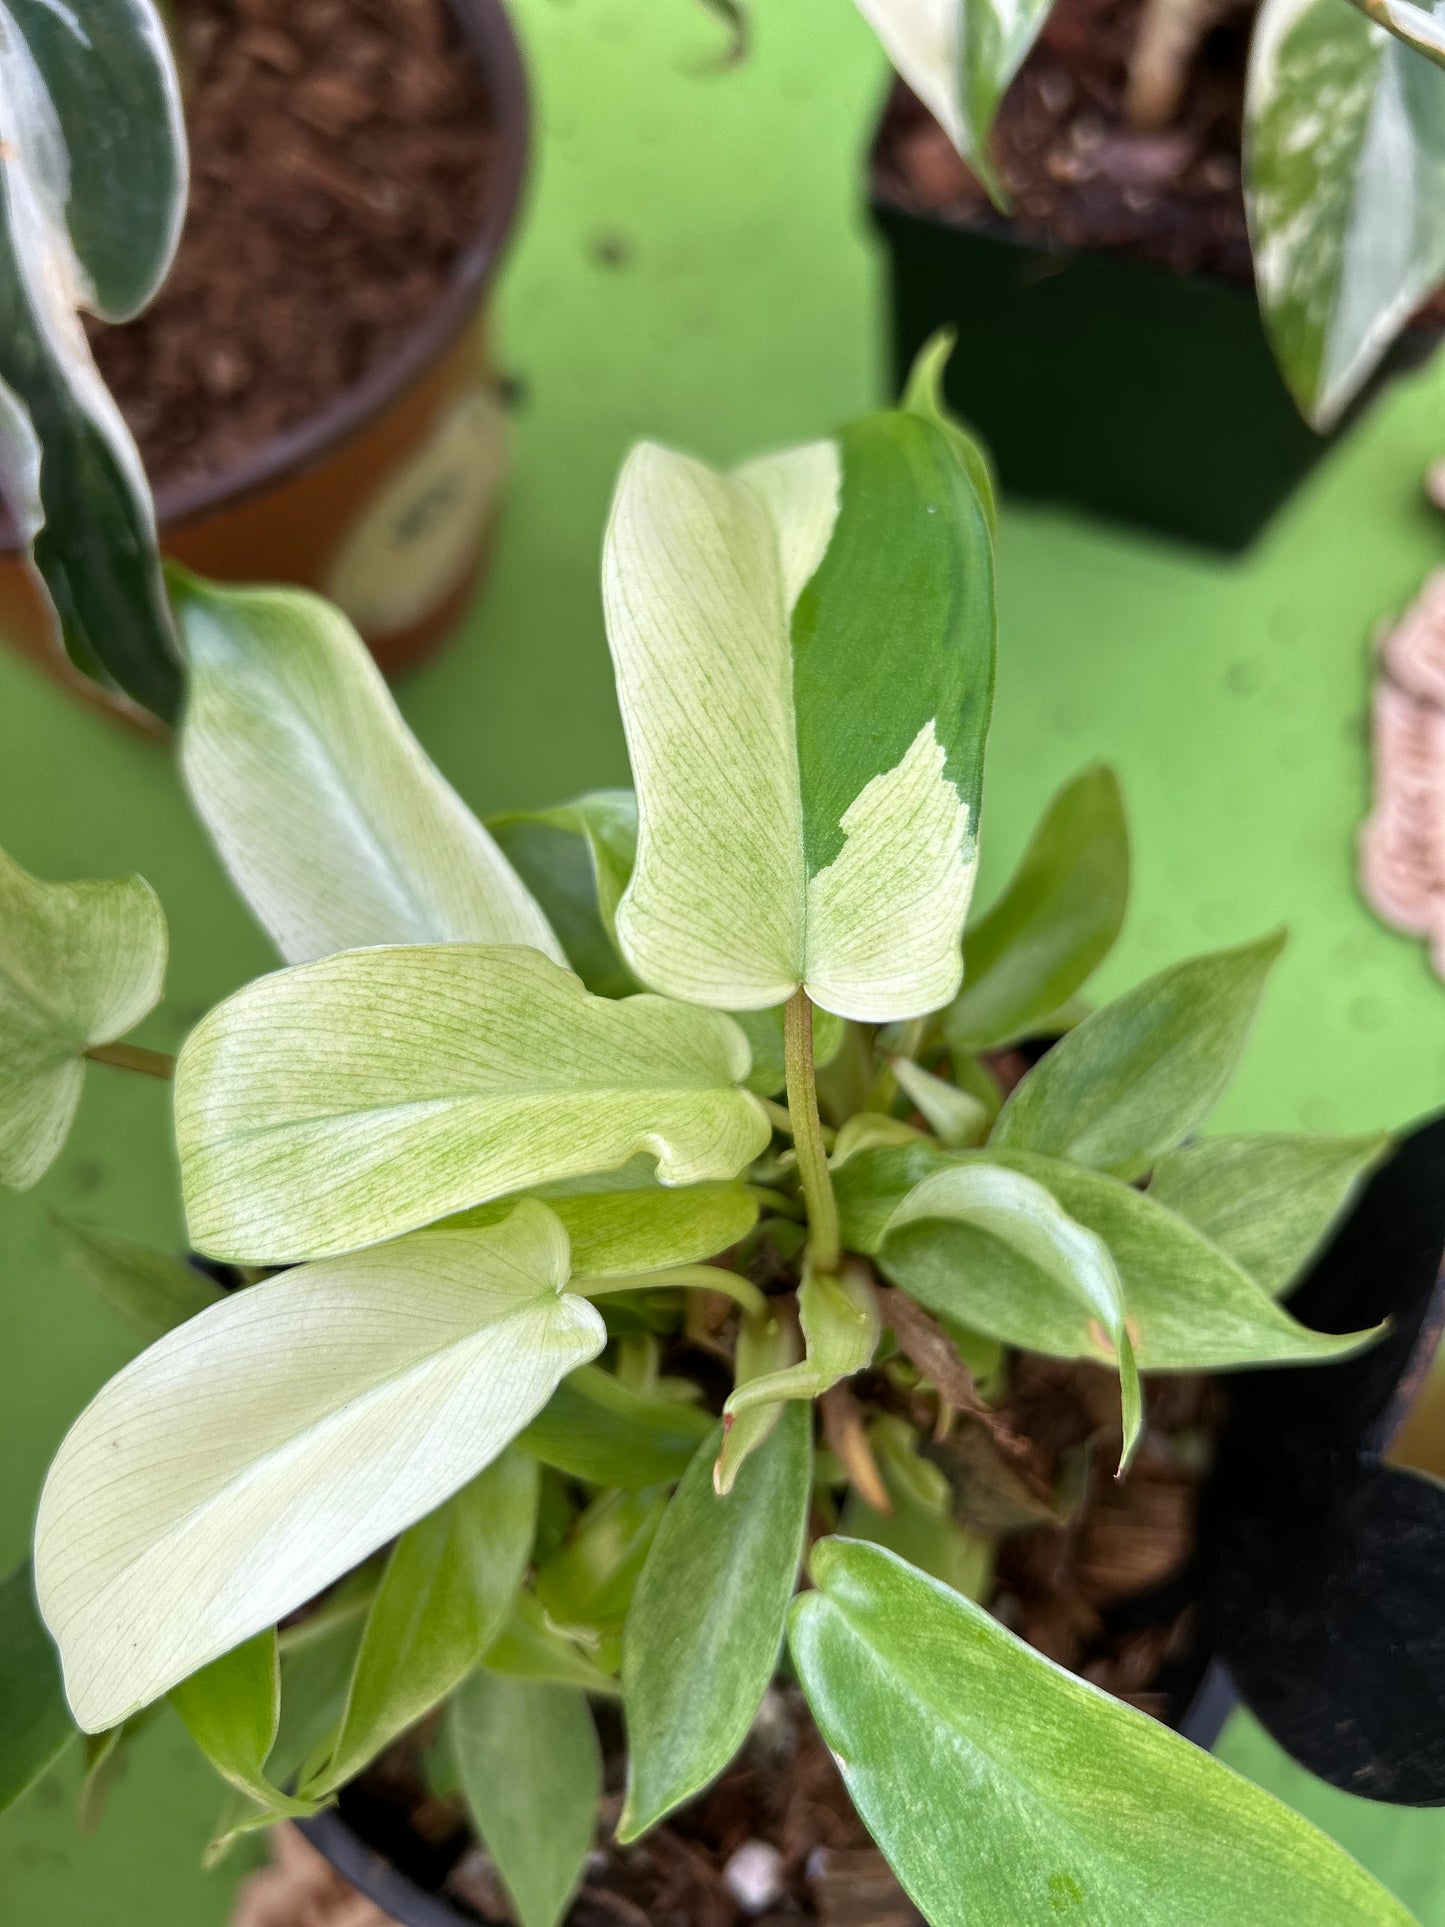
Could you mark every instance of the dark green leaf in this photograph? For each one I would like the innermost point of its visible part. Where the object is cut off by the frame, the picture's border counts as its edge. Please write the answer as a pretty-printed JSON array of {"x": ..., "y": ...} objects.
[
  {"x": 36, "y": 1727},
  {"x": 603, "y": 1431},
  {"x": 152, "y": 1290},
  {"x": 703, "y": 1634},
  {"x": 1136, "y": 1077},
  {"x": 1006, "y": 1790},
  {"x": 1268, "y": 1200},
  {"x": 1055, "y": 922},
  {"x": 531, "y": 1771},
  {"x": 576, "y": 859}
]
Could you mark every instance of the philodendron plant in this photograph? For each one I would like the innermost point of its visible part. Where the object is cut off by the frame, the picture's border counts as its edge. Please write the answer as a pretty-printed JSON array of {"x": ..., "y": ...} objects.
[
  {"x": 1343, "y": 143},
  {"x": 537, "y": 1117}
]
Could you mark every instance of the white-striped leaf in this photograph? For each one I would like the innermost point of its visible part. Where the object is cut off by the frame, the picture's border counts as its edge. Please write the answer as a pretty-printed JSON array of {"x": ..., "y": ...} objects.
[
  {"x": 81, "y": 85},
  {"x": 335, "y": 825},
  {"x": 1345, "y": 184},
  {"x": 80, "y": 964},
  {"x": 257, "y": 1453},
  {"x": 804, "y": 659},
  {"x": 345, "y": 1101}
]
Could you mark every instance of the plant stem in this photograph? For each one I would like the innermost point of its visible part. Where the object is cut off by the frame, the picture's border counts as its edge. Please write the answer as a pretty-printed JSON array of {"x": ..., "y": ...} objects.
[
  {"x": 134, "y": 1057},
  {"x": 825, "y": 1245},
  {"x": 782, "y": 1120}
]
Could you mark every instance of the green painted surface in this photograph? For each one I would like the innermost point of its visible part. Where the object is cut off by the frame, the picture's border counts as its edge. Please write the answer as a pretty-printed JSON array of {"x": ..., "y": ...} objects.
[{"x": 693, "y": 267}]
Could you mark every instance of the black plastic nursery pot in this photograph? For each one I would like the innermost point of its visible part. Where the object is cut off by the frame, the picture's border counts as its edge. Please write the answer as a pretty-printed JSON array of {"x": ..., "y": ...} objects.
[
  {"x": 1146, "y": 397},
  {"x": 1319, "y": 1568}
]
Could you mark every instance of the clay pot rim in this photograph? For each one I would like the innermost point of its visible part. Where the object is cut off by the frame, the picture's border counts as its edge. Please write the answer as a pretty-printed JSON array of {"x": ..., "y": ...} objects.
[{"x": 492, "y": 43}]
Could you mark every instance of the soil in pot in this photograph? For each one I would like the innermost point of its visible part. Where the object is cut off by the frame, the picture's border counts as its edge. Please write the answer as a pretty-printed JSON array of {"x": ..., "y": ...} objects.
[
  {"x": 340, "y": 153},
  {"x": 1105, "y": 1587}
]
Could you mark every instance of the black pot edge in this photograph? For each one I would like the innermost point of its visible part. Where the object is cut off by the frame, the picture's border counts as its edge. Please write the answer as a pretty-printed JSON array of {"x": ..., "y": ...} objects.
[{"x": 373, "y": 1875}]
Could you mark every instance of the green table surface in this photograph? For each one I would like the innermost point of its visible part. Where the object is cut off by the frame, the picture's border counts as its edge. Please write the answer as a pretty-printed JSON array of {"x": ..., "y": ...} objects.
[{"x": 694, "y": 265}]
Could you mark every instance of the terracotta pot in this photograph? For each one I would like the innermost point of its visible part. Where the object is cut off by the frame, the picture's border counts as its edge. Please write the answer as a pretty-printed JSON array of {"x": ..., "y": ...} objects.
[
  {"x": 384, "y": 500},
  {"x": 1319, "y": 1567}
]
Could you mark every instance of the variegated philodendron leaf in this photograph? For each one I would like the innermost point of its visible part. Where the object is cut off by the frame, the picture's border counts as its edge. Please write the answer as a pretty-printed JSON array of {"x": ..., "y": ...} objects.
[
  {"x": 329, "y": 1106},
  {"x": 959, "y": 57},
  {"x": 264, "y": 1448},
  {"x": 1417, "y": 26},
  {"x": 804, "y": 657},
  {"x": 80, "y": 964},
  {"x": 1345, "y": 184},
  {"x": 91, "y": 198},
  {"x": 334, "y": 823}
]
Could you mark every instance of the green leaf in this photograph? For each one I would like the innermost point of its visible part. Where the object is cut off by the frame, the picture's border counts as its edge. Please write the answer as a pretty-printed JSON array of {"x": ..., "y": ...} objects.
[
  {"x": 152, "y": 1290},
  {"x": 766, "y": 1346},
  {"x": 1055, "y": 922},
  {"x": 1190, "y": 1307},
  {"x": 254, "y": 1455},
  {"x": 37, "y": 1726},
  {"x": 841, "y": 1325},
  {"x": 1345, "y": 186},
  {"x": 624, "y": 1221},
  {"x": 79, "y": 85},
  {"x": 448, "y": 1589},
  {"x": 597, "y": 1429},
  {"x": 764, "y": 1032},
  {"x": 921, "y": 1527},
  {"x": 531, "y": 1646},
  {"x": 707, "y": 1620},
  {"x": 1266, "y": 1201},
  {"x": 876, "y": 1177},
  {"x": 531, "y": 1770},
  {"x": 1002, "y": 1788},
  {"x": 994, "y": 1249},
  {"x": 334, "y": 823},
  {"x": 957, "y": 1117},
  {"x": 80, "y": 964},
  {"x": 923, "y": 395},
  {"x": 1137, "y": 1076},
  {"x": 590, "y": 1580},
  {"x": 1417, "y": 26},
  {"x": 804, "y": 661},
  {"x": 232, "y": 1709},
  {"x": 344, "y": 1101}
]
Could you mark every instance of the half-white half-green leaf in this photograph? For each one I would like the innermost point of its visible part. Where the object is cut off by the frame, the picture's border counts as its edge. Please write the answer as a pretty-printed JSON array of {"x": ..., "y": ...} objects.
[
  {"x": 264, "y": 1448},
  {"x": 1344, "y": 174},
  {"x": 329, "y": 1106},
  {"x": 804, "y": 659},
  {"x": 336, "y": 826},
  {"x": 80, "y": 964},
  {"x": 92, "y": 192}
]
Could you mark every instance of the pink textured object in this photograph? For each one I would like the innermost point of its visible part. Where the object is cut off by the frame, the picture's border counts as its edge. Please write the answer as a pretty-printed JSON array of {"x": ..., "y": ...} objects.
[{"x": 1402, "y": 843}]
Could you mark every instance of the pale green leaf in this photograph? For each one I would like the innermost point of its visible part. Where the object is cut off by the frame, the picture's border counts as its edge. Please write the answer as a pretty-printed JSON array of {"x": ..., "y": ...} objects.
[
  {"x": 1267, "y": 1201},
  {"x": 447, "y": 1591},
  {"x": 876, "y": 1176},
  {"x": 1344, "y": 174},
  {"x": 624, "y": 1221},
  {"x": 1002, "y": 1788},
  {"x": 601, "y": 1430},
  {"x": 531, "y": 1770},
  {"x": 334, "y": 823},
  {"x": 707, "y": 1620},
  {"x": 37, "y": 1726},
  {"x": 1416, "y": 25},
  {"x": 1055, "y": 922},
  {"x": 255, "y": 1454},
  {"x": 606, "y": 823},
  {"x": 531, "y": 1646},
  {"x": 153, "y": 1291},
  {"x": 589, "y": 1580},
  {"x": 959, "y": 57},
  {"x": 957, "y": 1117},
  {"x": 80, "y": 964},
  {"x": 1137, "y": 1076},
  {"x": 841, "y": 1328},
  {"x": 344, "y": 1101},
  {"x": 1190, "y": 1307},
  {"x": 766, "y": 1346},
  {"x": 804, "y": 660},
  {"x": 1038, "y": 1271},
  {"x": 81, "y": 84}
]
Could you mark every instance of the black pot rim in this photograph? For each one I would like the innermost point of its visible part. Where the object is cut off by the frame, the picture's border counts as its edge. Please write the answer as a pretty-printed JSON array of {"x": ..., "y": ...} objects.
[{"x": 487, "y": 31}]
